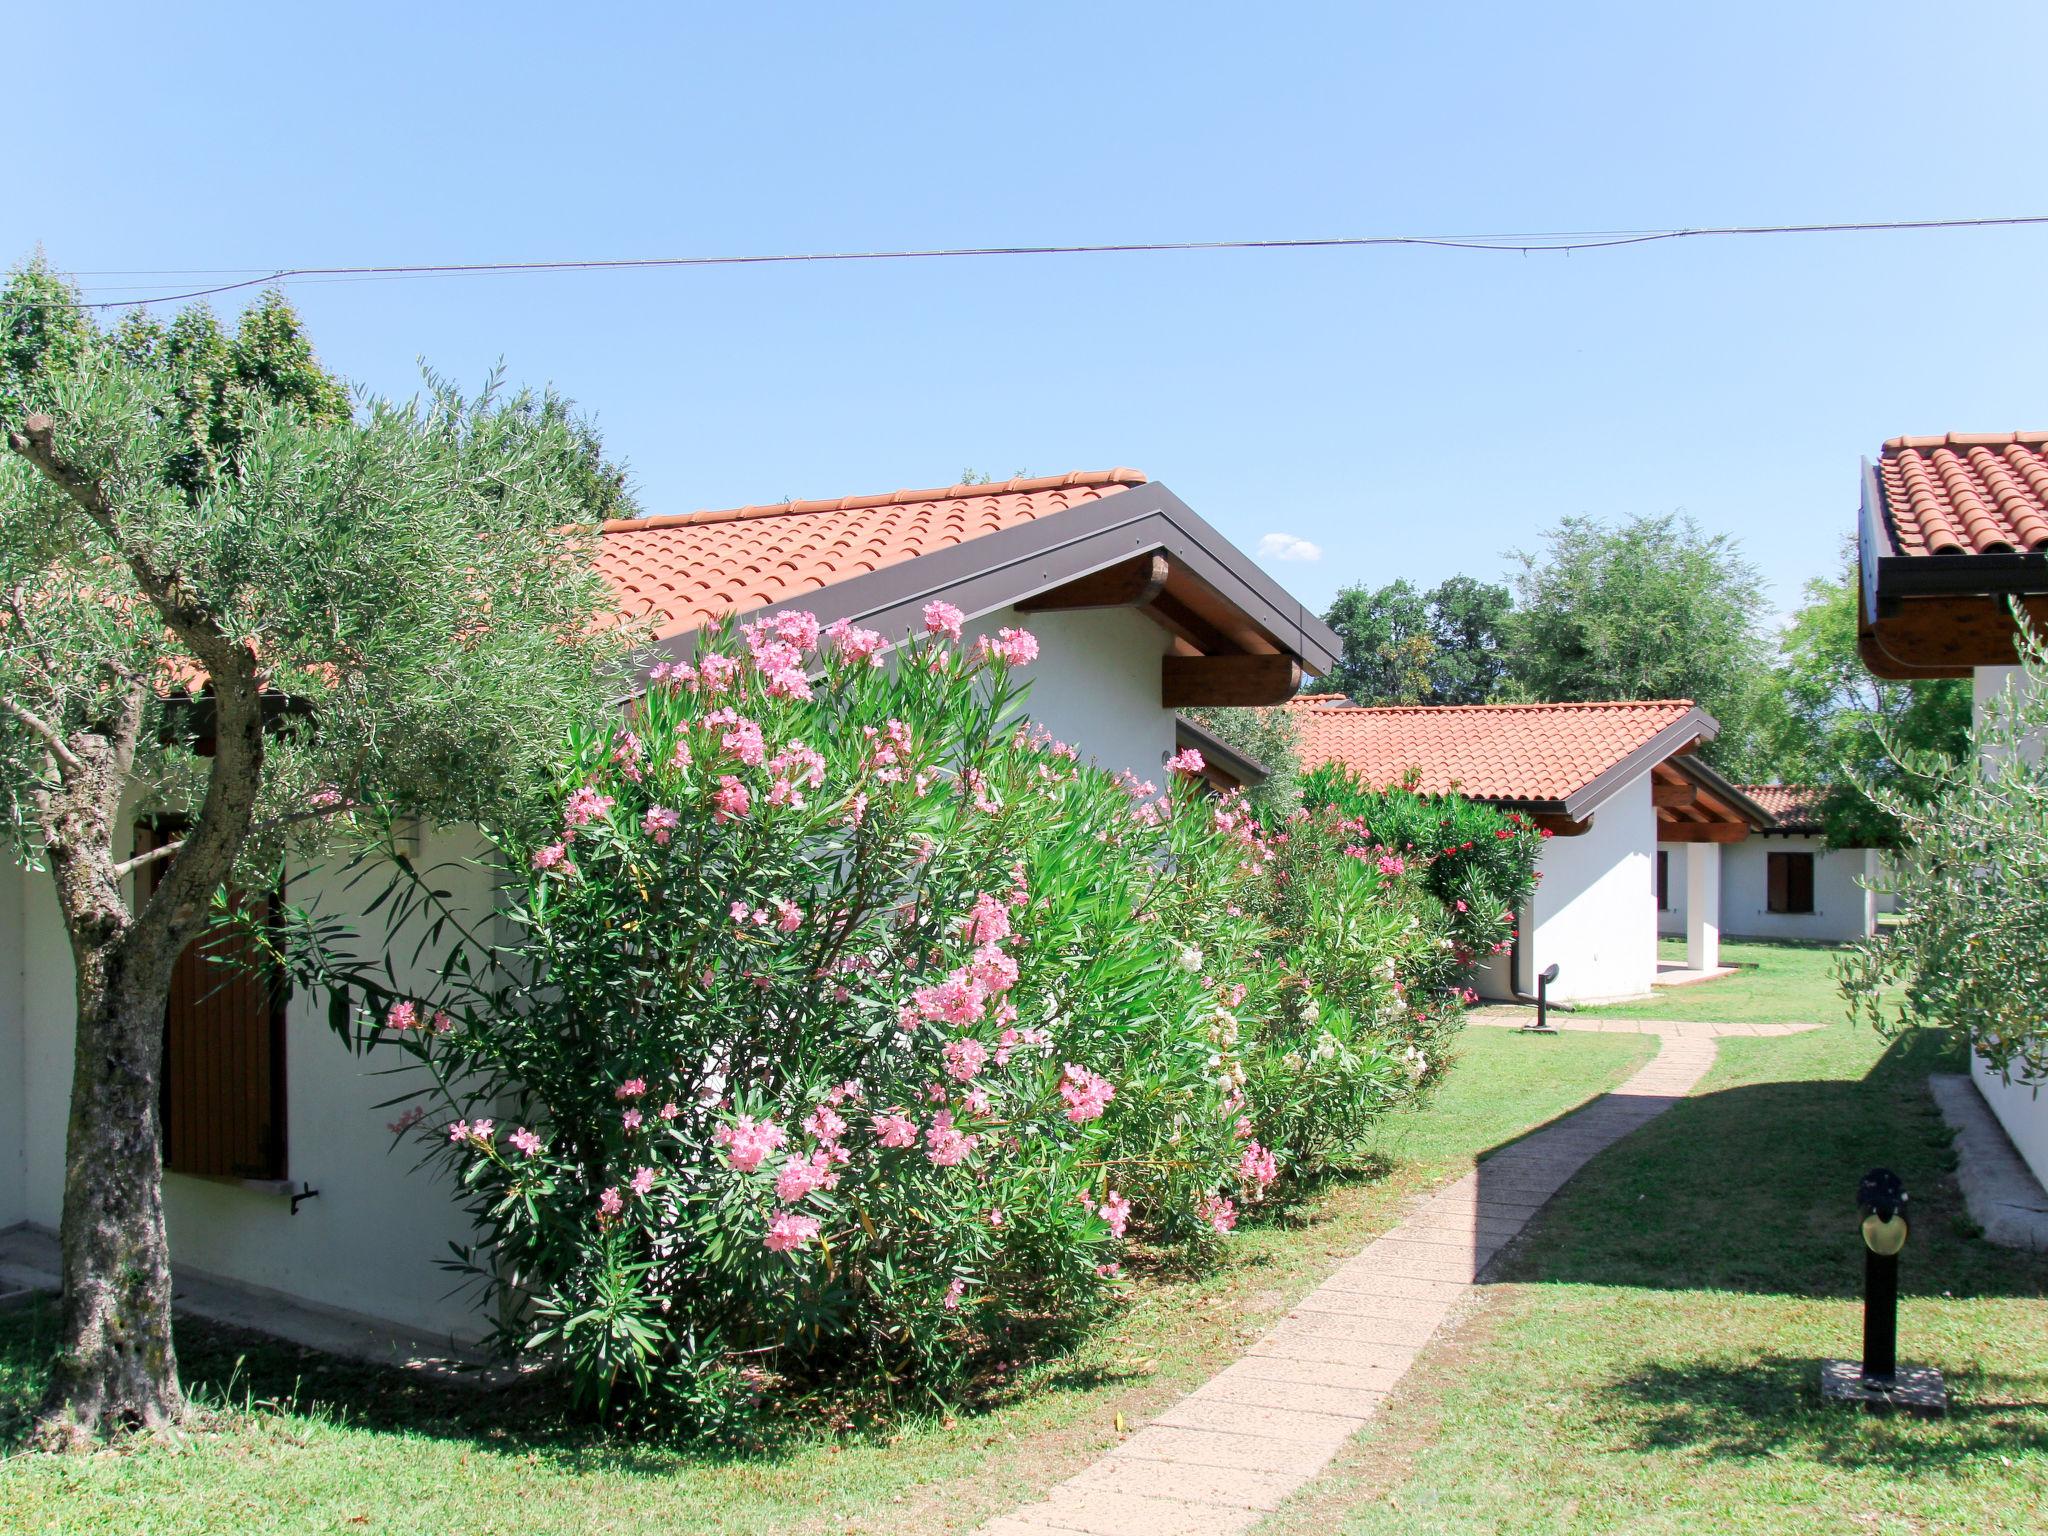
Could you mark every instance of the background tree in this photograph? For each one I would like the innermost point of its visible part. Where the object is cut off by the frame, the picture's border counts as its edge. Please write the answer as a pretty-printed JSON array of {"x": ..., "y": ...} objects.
[
  {"x": 353, "y": 613},
  {"x": 1651, "y": 608},
  {"x": 1836, "y": 725},
  {"x": 1405, "y": 646},
  {"x": 1266, "y": 736},
  {"x": 1466, "y": 617}
]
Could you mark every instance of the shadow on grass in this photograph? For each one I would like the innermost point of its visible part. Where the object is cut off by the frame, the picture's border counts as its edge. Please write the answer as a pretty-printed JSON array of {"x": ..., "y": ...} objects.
[
  {"x": 230, "y": 1371},
  {"x": 1772, "y": 1407},
  {"x": 1753, "y": 1189}
]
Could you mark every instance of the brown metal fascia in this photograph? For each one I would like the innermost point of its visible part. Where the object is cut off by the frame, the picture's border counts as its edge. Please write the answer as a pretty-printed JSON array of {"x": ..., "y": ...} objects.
[{"x": 996, "y": 570}]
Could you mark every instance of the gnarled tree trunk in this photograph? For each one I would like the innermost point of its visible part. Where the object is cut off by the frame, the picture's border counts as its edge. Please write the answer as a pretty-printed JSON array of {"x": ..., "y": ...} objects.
[{"x": 118, "y": 1367}]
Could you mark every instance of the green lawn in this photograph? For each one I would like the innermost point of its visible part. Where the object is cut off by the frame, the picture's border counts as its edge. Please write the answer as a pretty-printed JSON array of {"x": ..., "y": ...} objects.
[
  {"x": 1649, "y": 1363},
  {"x": 299, "y": 1444},
  {"x": 1775, "y": 984}
]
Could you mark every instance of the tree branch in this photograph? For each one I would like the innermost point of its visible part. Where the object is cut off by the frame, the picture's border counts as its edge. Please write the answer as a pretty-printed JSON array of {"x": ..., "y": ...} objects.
[
  {"x": 222, "y": 824},
  {"x": 62, "y": 753},
  {"x": 291, "y": 818}
]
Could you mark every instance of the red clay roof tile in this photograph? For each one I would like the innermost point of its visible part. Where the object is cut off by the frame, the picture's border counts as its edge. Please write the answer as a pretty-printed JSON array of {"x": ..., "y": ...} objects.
[
  {"x": 1790, "y": 805},
  {"x": 686, "y": 570},
  {"x": 1524, "y": 752},
  {"x": 1966, "y": 493}
]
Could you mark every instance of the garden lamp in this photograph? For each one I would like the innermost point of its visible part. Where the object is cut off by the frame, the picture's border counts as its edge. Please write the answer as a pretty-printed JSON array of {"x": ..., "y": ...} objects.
[
  {"x": 1544, "y": 978},
  {"x": 1878, "y": 1382}
]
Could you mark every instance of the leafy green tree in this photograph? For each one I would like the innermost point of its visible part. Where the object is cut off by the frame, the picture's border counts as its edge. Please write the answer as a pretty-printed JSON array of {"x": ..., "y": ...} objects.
[
  {"x": 1835, "y": 725},
  {"x": 1650, "y": 608},
  {"x": 234, "y": 602},
  {"x": 1466, "y": 618},
  {"x": 1405, "y": 646}
]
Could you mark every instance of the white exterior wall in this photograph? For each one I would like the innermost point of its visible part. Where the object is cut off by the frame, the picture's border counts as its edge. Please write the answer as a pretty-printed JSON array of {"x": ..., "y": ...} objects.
[
  {"x": 1842, "y": 908},
  {"x": 1594, "y": 911},
  {"x": 2022, "y": 1108},
  {"x": 372, "y": 1240},
  {"x": 1096, "y": 683}
]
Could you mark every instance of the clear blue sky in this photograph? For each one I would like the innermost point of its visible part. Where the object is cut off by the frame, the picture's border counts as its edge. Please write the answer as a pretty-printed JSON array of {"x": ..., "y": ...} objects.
[{"x": 1412, "y": 413}]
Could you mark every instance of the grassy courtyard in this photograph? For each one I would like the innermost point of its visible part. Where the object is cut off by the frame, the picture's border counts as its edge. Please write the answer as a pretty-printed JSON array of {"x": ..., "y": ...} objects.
[
  {"x": 1649, "y": 1361},
  {"x": 295, "y": 1443}
]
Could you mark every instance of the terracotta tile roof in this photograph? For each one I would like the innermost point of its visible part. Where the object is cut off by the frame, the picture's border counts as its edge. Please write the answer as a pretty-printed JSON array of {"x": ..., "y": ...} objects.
[
  {"x": 1514, "y": 752},
  {"x": 1966, "y": 493},
  {"x": 689, "y": 569},
  {"x": 1790, "y": 805}
]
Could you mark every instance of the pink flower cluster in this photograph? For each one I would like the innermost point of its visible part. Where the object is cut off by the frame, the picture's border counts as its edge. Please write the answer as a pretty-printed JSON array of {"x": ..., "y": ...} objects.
[
  {"x": 748, "y": 1142},
  {"x": 777, "y": 644},
  {"x": 946, "y": 1146},
  {"x": 943, "y": 619},
  {"x": 585, "y": 806},
  {"x": 855, "y": 643},
  {"x": 787, "y": 1231},
  {"x": 1115, "y": 1210},
  {"x": 964, "y": 1059},
  {"x": 893, "y": 1128},
  {"x": 730, "y": 801},
  {"x": 1257, "y": 1170},
  {"x": 794, "y": 769},
  {"x": 1188, "y": 762},
  {"x": 1086, "y": 1094},
  {"x": 660, "y": 824},
  {"x": 1218, "y": 1212}
]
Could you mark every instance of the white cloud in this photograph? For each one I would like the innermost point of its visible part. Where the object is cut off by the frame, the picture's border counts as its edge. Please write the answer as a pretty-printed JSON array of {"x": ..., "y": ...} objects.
[{"x": 1285, "y": 546}]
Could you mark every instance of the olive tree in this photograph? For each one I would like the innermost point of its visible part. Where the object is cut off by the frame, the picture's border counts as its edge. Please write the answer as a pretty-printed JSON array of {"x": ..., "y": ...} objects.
[
  {"x": 1971, "y": 877},
  {"x": 236, "y": 598}
]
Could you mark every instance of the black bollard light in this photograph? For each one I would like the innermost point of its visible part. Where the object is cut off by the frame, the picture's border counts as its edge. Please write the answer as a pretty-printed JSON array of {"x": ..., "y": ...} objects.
[
  {"x": 1542, "y": 1025},
  {"x": 1877, "y": 1382}
]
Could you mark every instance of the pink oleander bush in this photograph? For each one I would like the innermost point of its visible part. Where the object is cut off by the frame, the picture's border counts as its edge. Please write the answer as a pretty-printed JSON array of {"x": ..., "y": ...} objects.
[{"x": 849, "y": 1022}]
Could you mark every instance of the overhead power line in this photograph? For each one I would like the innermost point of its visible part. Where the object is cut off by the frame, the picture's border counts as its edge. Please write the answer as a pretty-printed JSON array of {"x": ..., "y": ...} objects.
[{"x": 1521, "y": 244}]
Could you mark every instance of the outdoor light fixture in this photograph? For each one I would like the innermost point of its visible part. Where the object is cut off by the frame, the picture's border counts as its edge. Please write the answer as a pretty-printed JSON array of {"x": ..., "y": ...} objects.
[
  {"x": 1878, "y": 1382},
  {"x": 1542, "y": 1026}
]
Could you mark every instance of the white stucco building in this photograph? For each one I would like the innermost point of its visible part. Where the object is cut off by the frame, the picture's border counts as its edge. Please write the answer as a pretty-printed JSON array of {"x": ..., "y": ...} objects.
[
  {"x": 1783, "y": 881},
  {"x": 1602, "y": 778},
  {"x": 1139, "y": 606},
  {"x": 1952, "y": 533}
]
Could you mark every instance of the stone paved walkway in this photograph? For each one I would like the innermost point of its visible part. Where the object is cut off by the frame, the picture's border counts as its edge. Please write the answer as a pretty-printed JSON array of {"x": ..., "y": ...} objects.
[{"x": 1228, "y": 1452}]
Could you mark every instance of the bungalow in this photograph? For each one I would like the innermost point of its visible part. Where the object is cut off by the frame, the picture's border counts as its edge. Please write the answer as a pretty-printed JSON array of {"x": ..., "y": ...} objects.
[
  {"x": 1783, "y": 881},
  {"x": 1953, "y": 531},
  {"x": 283, "y": 1176},
  {"x": 1608, "y": 782}
]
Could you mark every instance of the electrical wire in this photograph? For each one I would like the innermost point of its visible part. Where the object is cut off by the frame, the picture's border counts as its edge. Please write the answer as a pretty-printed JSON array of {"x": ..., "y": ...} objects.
[{"x": 1522, "y": 244}]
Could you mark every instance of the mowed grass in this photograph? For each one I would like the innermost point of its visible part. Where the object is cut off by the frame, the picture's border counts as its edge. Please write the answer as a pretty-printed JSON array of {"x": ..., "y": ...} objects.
[
  {"x": 297, "y": 1443},
  {"x": 1776, "y": 983},
  {"x": 1649, "y": 1362}
]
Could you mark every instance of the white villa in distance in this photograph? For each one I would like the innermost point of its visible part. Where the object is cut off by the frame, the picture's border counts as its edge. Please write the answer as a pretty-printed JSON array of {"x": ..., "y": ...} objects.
[
  {"x": 282, "y": 1177},
  {"x": 1611, "y": 783},
  {"x": 1782, "y": 881}
]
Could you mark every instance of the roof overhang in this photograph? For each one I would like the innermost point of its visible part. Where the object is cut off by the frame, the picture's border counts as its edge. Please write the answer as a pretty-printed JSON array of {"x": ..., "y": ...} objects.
[
  {"x": 1238, "y": 636},
  {"x": 1694, "y": 804},
  {"x": 1938, "y": 615},
  {"x": 1222, "y": 764}
]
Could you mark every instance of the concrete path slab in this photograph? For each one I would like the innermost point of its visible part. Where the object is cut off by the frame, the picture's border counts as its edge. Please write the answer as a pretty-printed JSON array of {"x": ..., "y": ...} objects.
[
  {"x": 1215, "y": 1461},
  {"x": 2002, "y": 1194}
]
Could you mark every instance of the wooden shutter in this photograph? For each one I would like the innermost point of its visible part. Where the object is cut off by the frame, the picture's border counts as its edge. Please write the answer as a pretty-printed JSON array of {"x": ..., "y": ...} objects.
[
  {"x": 223, "y": 1082},
  {"x": 1663, "y": 881},
  {"x": 1776, "y": 879},
  {"x": 1799, "y": 882}
]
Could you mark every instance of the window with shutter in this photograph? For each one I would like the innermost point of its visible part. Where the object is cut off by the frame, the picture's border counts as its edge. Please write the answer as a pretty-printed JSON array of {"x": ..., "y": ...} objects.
[
  {"x": 1663, "y": 881},
  {"x": 1790, "y": 880},
  {"x": 223, "y": 1075}
]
